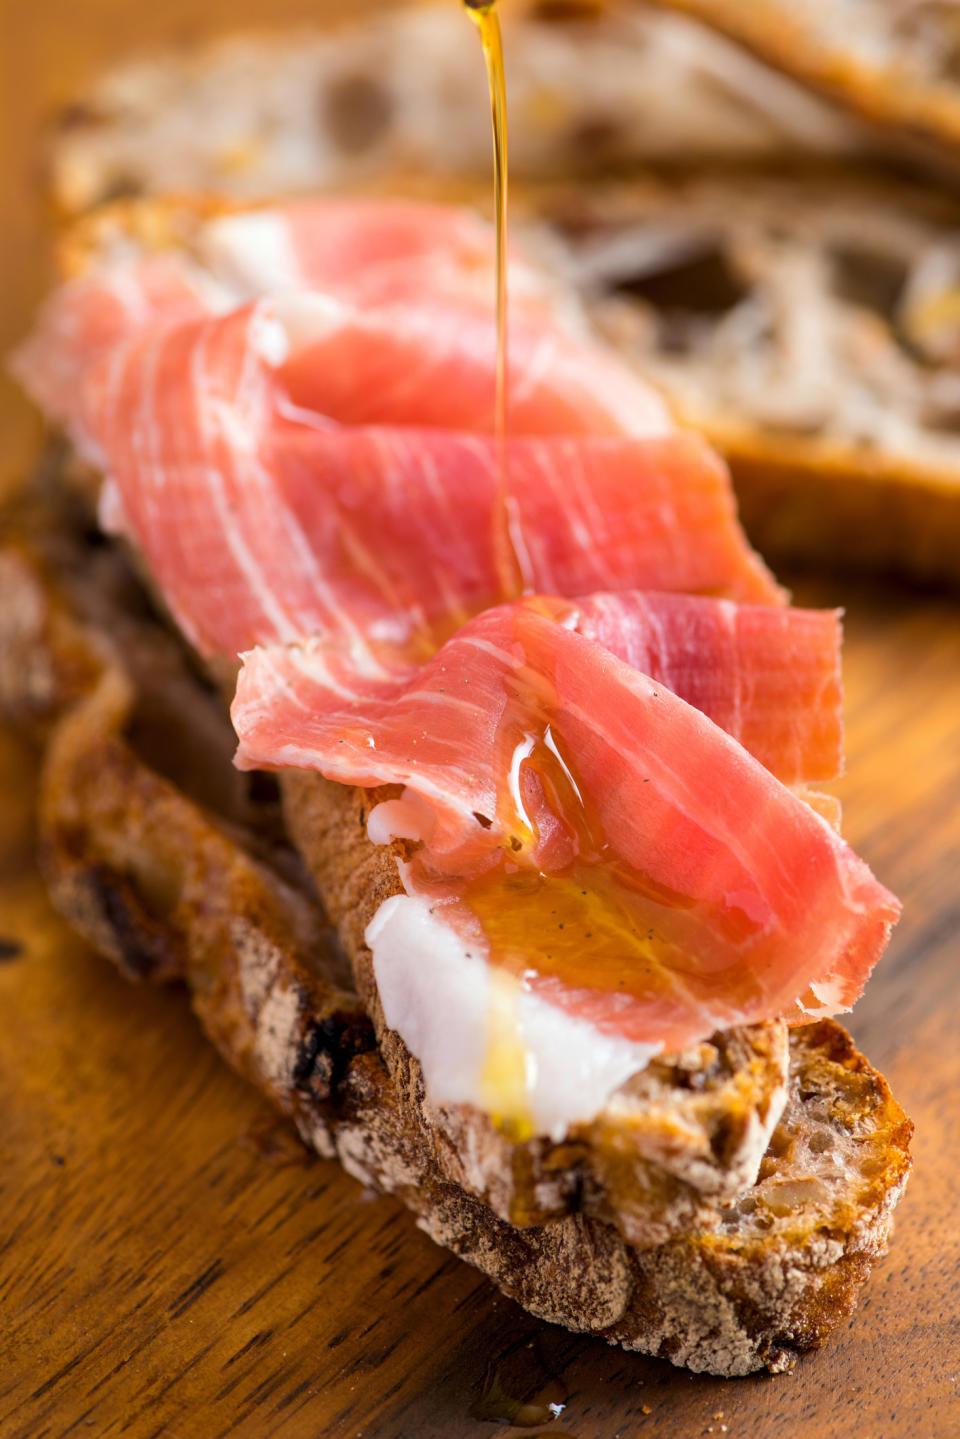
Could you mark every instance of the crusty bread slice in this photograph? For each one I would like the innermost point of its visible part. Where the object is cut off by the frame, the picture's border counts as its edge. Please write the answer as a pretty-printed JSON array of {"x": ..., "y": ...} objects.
[{"x": 135, "y": 862}]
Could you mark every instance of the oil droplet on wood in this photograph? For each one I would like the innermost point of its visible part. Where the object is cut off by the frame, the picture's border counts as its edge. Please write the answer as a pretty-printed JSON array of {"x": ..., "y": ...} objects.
[
  {"x": 274, "y": 1142},
  {"x": 517, "y": 1389}
]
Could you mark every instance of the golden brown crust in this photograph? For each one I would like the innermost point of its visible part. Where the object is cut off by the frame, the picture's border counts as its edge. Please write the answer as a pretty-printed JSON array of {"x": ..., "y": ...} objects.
[{"x": 803, "y": 499}]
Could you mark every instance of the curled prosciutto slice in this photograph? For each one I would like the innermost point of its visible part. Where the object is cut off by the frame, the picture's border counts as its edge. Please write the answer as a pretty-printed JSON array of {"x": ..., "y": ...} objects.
[
  {"x": 433, "y": 363},
  {"x": 586, "y": 832},
  {"x": 259, "y": 526},
  {"x": 770, "y": 677}
]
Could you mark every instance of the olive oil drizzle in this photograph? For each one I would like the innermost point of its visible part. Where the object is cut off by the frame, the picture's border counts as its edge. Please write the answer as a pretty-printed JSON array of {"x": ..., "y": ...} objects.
[{"x": 507, "y": 552}]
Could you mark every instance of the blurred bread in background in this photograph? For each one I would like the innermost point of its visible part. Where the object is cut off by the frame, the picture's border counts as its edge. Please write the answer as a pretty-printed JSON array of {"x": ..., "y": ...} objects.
[{"x": 796, "y": 296}]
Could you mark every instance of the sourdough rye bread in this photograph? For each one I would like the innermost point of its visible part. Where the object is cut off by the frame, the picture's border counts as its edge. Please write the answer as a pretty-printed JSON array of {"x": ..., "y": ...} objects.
[{"x": 128, "y": 850}]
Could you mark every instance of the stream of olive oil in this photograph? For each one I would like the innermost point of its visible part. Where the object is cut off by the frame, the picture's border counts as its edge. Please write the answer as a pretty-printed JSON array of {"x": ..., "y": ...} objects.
[
  {"x": 484, "y": 15},
  {"x": 504, "y": 1079}
]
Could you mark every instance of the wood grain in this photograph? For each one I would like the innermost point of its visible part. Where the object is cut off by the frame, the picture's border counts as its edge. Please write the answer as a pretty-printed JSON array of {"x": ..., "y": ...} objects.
[{"x": 172, "y": 1264}]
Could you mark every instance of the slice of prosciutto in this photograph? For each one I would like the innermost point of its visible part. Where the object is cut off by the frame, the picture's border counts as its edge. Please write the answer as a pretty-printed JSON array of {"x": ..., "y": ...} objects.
[
  {"x": 433, "y": 363},
  {"x": 261, "y": 525},
  {"x": 430, "y": 265},
  {"x": 770, "y": 677},
  {"x": 586, "y": 834}
]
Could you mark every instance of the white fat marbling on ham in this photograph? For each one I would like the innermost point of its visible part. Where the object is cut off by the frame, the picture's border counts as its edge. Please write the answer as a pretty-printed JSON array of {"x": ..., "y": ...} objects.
[
  {"x": 438, "y": 995},
  {"x": 110, "y": 512},
  {"x": 252, "y": 252}
]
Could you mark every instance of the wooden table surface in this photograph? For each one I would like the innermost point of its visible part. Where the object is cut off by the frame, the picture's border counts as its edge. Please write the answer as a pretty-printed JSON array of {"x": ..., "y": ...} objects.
[{"x": 173, "y": 1264}]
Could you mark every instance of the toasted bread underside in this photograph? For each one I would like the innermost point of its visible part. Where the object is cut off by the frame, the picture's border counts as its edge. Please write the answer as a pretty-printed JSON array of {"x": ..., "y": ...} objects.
[{"x": 134, "y": 846}]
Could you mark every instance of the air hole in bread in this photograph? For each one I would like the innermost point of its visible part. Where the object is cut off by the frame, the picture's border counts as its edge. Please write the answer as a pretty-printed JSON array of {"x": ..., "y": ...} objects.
[
  {"x": 121, "y": 186},
  {"x": 873, "y": 279},
  {"x": 595, "y": 136},
  {"x": 702, "y": 282},
  {"x": 356, "y": 111}
]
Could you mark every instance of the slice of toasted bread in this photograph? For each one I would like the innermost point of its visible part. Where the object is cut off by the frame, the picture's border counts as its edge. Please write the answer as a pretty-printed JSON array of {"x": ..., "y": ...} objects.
[{"x": 134, "y": 861}]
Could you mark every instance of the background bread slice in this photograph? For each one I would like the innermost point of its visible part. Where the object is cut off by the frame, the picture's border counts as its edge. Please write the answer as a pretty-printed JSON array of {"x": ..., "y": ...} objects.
[
  {"x": 127, "y": 852},
  {"x": 592, "y": 86},
  {"x": 806, "y": 324},
  {"x": 891, "y": 63}
]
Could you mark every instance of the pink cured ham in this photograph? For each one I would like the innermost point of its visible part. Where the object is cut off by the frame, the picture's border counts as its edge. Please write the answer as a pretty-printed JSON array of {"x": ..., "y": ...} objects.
[
  {"x": 259, "y": 528},
  {"x": 372, "y": 251},
  {"x": 769, "y": 677},
  {"x": 92, "y": 314},
  {"x": 426, "y": 364},
  {"x": 356, "y": 253},
  {"x": 433, "y": 364},
  {"x": 747, "y": 904}
]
